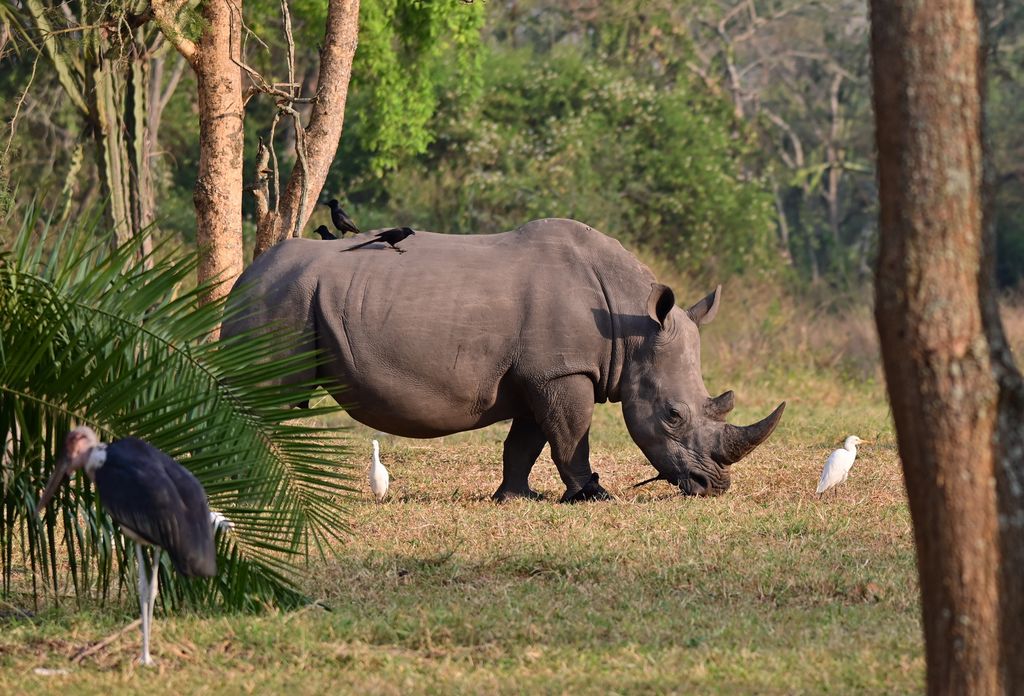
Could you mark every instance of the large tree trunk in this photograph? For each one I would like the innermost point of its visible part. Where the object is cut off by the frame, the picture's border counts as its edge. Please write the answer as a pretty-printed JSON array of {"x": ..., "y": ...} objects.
[
  {"x": 956, "y": 396},
  {"x": 327, "y": 117},
  {"x": 218, "y": 191}
]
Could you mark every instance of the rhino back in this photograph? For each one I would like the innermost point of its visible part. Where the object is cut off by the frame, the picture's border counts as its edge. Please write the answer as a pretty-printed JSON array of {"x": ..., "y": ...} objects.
[{"x": 448, "y": 336}]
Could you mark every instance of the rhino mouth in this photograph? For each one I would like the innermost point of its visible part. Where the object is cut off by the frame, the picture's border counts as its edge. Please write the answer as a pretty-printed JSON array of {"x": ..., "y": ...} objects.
[{"x": 695, "y": 484}]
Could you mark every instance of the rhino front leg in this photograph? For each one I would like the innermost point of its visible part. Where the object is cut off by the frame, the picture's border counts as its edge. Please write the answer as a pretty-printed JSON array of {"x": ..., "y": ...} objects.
[
  {"x": 564, "y": 408},
  {"x": 523, "y": 445}
]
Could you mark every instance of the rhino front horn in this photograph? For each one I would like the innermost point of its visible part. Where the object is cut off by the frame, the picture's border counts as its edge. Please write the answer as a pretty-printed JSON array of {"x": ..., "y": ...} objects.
[{"x": 739, "y": 441}]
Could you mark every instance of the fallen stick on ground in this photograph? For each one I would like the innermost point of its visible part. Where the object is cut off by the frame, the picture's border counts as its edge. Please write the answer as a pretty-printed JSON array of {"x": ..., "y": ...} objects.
[{"x": 96, "y": 647}]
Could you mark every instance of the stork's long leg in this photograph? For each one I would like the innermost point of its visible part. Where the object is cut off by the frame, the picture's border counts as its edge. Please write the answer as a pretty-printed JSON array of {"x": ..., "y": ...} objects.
[
  {"x": 144, "y": 658},
  {"x": 154, "y": 583}
]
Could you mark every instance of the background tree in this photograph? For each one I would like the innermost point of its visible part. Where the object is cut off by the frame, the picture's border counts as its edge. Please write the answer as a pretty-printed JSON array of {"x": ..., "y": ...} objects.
[
  {"x": 104, "y": 59},
  {"x": 957, "y": 397},
  {"x": 792, "y": 76},
  {"x": 214, "y": 58}
]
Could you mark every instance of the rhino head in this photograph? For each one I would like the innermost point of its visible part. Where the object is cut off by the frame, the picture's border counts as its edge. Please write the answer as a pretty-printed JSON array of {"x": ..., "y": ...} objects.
[{"x": 668, "y": 411}]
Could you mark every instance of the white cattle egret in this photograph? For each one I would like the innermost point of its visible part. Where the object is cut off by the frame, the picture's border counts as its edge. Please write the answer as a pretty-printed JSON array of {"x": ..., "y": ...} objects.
[
  {"x": 379, "y": 478},
  {"x": 837, "y": 468}
]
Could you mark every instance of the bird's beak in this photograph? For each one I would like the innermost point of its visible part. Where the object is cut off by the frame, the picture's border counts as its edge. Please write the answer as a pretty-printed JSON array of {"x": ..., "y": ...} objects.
[{"x": 59, "y": 471}]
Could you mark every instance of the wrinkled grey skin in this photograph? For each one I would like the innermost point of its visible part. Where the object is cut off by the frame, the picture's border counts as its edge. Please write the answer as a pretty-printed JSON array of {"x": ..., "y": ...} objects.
[{"x": 534, "y": 325}]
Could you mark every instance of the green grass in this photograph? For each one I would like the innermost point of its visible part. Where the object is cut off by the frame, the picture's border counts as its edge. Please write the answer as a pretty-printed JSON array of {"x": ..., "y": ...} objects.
[{"x": 764, "y": 590}]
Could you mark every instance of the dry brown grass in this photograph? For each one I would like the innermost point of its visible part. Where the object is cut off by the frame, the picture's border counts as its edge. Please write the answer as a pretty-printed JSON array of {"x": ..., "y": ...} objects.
[{"x": 767, "y": 589}]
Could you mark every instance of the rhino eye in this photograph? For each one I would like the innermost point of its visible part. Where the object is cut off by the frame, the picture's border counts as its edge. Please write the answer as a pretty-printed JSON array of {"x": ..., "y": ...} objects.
[{"x": 675, "y": 415}]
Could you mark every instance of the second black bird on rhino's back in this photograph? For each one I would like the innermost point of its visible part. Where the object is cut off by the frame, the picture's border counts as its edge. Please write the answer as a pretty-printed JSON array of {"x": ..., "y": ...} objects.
[
  {"x": 325, "y": 234},
  {"x": 341, "y": 219}
]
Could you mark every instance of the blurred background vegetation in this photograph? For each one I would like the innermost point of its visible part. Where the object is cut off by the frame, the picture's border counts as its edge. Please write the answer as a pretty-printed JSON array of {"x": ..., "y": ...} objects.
[{"x": 722, "y": 137}]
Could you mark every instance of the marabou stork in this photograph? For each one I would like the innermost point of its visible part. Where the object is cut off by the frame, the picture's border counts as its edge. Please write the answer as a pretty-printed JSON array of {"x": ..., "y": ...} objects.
[{"x": 156, "y": 501}]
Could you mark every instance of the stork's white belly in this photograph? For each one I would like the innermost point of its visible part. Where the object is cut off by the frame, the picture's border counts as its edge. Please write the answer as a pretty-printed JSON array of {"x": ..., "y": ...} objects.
[{"x": 134, "y": 536}]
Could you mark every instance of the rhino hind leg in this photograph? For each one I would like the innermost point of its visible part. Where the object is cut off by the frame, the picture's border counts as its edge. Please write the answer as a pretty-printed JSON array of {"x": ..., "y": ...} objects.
[
  {"x": 523, "y": 445},
  {"x": 564, "y": 408}
]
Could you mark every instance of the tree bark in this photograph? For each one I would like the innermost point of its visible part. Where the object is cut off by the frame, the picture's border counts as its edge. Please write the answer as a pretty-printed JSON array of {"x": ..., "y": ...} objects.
[
  {"x": 327, "y": 117},
  {"x": 955, "y": 393},
  {"x": 218, "y": 191}
]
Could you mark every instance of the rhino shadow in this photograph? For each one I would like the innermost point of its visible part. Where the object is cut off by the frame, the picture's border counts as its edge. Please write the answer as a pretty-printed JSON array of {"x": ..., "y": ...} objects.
[{"x": 627, "y": 325}]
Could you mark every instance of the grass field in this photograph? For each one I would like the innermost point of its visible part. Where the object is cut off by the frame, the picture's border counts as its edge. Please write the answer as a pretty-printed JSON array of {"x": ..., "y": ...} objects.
[{"x": 766, "y": 589}]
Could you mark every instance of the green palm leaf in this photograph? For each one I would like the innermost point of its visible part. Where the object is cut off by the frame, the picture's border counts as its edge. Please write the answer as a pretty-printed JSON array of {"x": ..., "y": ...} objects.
[{"x": 91, "y": 335}]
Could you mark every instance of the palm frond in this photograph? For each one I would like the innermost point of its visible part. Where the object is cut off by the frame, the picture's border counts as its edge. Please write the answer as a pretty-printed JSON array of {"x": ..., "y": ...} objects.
[{"x": 91, "y": 335}]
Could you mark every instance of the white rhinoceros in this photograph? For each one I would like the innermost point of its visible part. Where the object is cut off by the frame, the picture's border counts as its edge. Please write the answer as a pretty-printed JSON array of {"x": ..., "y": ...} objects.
[{"x": 534, "y": 325}]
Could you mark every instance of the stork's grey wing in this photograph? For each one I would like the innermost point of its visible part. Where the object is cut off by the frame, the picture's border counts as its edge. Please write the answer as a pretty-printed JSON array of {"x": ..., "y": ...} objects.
[{"x": 159, "y": 500}]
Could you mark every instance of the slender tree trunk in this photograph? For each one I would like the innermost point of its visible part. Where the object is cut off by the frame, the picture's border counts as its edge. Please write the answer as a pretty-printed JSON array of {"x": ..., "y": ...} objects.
[
  {"x": 833, "y": 154},
  {"x": 780, "y": 210},
  {"x": 218, "y": 191},
  {"x": 327, "y": 117},
  {"x": 142, "y": 201},
  {"x": 956, "y": 396},
  {"x": 105, "y": 92}
]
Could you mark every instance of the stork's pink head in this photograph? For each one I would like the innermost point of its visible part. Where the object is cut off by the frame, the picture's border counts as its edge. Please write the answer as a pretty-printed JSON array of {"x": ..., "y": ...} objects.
[{"x": 77, "y": 445}]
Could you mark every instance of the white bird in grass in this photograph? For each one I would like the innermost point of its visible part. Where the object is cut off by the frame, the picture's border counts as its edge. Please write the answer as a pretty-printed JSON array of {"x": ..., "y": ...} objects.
[
  {"x": 839, "y": 463},
  {"x": 379, "y": 478}
]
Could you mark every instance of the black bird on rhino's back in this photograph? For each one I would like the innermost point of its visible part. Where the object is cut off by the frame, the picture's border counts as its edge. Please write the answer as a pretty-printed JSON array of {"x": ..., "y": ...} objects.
[
  {"x": 341, "y": 219},
  {"x": 390, "y": 237},
  {"x": 325, "y": 234}
]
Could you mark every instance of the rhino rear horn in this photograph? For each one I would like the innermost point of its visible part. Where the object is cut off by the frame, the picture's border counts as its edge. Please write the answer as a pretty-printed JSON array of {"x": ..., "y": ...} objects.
[
  {"x": 718, "y": 407},
  {"x": 738, "y": 441}
]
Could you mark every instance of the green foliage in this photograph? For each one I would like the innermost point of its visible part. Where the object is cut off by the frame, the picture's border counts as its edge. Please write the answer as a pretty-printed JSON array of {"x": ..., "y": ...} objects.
[
  {"x": 405, "y": 48},
  {"x": 93, "y": 336},
  {"x": 563, "y": 136}
]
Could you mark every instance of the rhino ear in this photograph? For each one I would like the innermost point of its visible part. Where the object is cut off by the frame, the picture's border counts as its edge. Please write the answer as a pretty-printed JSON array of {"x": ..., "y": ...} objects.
[
  {"x": 660, "y": 303},
  {"x": 705, "y": 310}
]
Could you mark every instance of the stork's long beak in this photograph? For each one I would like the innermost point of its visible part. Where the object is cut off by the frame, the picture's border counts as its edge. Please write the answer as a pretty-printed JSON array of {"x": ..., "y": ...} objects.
[{"x": 59, "y": 472}]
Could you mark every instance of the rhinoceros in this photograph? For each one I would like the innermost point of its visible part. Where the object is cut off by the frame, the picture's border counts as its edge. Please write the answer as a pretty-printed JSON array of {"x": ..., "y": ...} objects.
[{"x": 535, "y": 325}]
